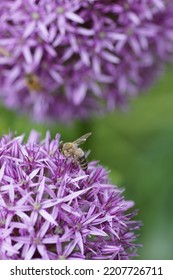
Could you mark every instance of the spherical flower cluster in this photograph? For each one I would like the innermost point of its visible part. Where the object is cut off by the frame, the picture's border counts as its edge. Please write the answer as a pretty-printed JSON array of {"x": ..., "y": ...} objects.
[
  {"x": 51, "y": 209},
  {"x": 63, "y": 59}
]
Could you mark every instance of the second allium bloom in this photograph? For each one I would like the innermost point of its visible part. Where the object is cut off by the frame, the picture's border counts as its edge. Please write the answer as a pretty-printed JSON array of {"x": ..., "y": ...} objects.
[
  {"x": 65, "y": 59},
  {"x": 51, "y": 209}
]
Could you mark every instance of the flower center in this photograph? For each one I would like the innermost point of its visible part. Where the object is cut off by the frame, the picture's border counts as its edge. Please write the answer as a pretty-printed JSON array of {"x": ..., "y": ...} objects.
[
  {"x": 37, "y": 240},
  {"x": 60, "y": 10},
  {"x": 62, "y": 257},
  {"x": 35, "y": 16},
  {"x": 102, "y": 35},
  {"x": 59, "y": 230},
  {"x": 126, "y": 6},
  {"x": 130, "y": 31},
  {"x": 37, "y": 206},
  {"x": 78, "y": 226}
]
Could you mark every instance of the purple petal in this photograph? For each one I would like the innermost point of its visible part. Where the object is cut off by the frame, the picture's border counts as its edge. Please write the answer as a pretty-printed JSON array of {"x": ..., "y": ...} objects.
[
  {"x": 29, "y": 29},
  {"x": 27, "y": 55},
  {"x": 30, "y": 252},
  {"x": 47, "y": 216},
  {"x": 74, "y": 17}
]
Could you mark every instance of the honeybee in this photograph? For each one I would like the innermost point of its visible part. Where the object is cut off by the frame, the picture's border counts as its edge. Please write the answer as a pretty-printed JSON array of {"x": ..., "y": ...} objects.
[
  {"x": 71, "y": 150},
  {"x": 33, "y": 82}
]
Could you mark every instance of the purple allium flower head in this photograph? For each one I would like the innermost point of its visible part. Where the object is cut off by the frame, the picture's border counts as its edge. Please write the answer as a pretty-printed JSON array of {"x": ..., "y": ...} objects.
[
  {"x": 63, "y": 59},
  {"x": 51, "y": 209}
]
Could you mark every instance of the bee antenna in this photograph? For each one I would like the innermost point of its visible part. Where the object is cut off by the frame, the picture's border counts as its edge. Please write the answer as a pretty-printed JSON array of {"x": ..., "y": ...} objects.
[{"x": 60, "y": 146}]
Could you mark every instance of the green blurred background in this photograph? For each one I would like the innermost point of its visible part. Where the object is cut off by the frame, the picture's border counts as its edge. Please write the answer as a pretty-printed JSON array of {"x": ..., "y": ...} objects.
[{"x": 137, "y": 147}]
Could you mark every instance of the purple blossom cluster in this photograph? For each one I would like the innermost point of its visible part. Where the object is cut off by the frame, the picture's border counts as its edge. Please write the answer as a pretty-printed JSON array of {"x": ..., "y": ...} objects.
[
  {"x": 64, "y": 59},
  {"x": 51, "y": 209}
]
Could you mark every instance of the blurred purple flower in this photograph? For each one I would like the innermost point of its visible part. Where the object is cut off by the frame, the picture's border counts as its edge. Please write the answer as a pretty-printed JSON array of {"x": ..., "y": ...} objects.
[
  {"x": 51, "y": 209},
  {"x": 82, "y": 57}
]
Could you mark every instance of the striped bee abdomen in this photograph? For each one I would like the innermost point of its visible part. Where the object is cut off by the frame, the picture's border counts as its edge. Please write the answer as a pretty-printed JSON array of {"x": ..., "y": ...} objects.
[{"x": 83, "y": 163}]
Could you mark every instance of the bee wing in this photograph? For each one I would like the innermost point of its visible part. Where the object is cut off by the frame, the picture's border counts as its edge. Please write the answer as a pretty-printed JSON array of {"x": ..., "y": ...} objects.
[
  {"x": 82, "y": 139},
  {"x": 87, "y": 153}
]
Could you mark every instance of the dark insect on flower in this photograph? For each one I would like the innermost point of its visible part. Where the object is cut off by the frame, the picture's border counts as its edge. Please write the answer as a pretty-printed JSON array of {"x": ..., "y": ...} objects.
[
  {"x": 88, "y": 57},
  {"x": 33, "y": 83},
  {"x": 71, "y": 150}
]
